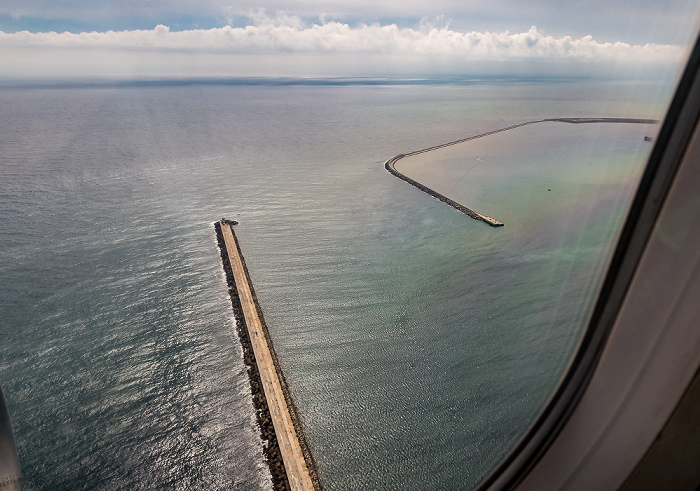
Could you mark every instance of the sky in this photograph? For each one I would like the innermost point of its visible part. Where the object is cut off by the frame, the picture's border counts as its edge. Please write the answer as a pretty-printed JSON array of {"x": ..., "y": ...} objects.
[{"x": 137, "y": 39}]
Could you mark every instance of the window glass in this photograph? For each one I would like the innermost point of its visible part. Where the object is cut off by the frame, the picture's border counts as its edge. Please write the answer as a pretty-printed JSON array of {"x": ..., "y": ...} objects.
[{"x": 418, "y": 342}]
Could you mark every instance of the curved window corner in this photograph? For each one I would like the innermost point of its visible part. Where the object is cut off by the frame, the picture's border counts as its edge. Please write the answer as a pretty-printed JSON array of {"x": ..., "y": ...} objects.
[{"x": 620, "y": 418}]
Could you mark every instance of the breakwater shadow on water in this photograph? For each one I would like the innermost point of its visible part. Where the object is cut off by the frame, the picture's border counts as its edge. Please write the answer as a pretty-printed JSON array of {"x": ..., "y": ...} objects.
[
  {"x": 390, "y": 165},
  {"x": 272, "y": 451}
]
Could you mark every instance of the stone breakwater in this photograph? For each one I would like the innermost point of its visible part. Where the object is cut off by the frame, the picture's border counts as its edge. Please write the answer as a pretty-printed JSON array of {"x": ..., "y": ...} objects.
[
  {"x": 390, "y": 165},
  {"x": 289, "y": 470}
]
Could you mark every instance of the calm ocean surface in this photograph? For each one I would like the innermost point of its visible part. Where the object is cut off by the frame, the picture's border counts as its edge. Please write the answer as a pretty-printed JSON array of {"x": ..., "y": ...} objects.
[{"x": 418, "y": 344}]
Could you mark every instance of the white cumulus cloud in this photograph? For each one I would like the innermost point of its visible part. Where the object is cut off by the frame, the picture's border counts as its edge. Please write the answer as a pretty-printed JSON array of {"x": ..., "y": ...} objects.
[{"x": 275, "y": 41}]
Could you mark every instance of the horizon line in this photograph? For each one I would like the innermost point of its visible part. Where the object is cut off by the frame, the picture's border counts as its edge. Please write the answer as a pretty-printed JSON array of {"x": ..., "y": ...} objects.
[{"x": 174, "y": 81}]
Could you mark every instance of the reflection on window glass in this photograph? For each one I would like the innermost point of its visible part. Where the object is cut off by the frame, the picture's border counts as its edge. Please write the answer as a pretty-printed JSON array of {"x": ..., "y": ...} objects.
[{"x": 418, "y": 342}]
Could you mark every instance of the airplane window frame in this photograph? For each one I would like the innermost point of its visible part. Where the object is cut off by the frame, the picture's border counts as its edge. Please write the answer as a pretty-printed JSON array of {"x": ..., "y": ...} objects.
[{"x": 674, "y": 136}]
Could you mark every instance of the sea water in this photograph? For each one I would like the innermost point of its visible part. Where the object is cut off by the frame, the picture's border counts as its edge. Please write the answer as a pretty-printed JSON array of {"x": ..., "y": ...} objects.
[{"x": 418, "y": 344}]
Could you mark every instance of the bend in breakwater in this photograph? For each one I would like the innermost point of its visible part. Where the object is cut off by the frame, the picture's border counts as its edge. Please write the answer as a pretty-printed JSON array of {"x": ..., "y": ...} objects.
[
  {"x": 287, "y": 452},
  {"x": 390, "y": 165}
]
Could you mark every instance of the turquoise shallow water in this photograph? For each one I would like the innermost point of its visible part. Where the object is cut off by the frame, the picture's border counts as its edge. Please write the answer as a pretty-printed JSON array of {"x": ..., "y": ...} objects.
[
  {"x": 418, "y": 344},
  {"x": 561, "y": 188}
]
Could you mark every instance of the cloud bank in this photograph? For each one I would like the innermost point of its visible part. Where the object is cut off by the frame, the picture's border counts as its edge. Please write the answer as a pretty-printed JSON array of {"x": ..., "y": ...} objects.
[
  {"x": 285, "y": 46},
  {"x": 635, "y": 21}
]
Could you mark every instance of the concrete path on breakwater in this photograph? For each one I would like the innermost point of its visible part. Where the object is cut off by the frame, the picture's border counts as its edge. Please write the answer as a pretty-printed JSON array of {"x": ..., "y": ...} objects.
[
  {"x": 292, "y": 455},
  {"x": 390, "y": 164}
]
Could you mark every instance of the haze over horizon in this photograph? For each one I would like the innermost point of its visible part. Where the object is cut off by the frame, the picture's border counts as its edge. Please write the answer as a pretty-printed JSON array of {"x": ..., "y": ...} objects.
[{"x": 297, "y": 38}]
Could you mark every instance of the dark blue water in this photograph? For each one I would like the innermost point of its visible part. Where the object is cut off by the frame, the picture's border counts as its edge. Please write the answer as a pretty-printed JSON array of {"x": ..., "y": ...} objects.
[{"x": 418, "y": 344}]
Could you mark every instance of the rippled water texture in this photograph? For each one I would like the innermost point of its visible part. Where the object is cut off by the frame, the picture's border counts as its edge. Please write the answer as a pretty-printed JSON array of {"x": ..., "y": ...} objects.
[{"x": 418, "y": 343}]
